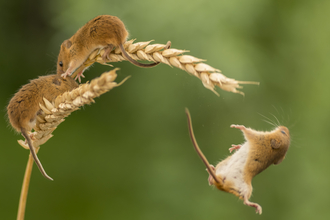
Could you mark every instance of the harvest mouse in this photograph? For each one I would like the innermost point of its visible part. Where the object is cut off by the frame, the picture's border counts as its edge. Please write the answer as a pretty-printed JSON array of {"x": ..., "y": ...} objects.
[
  {"x": 234, "y": 174},
  {"x": 24, "y": 106},
  {"x": 104, "y": 31}
]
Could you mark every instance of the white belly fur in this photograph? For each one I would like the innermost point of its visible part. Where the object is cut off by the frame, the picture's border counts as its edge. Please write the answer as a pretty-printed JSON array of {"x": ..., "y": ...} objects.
[{"x": 232, "y": 169}]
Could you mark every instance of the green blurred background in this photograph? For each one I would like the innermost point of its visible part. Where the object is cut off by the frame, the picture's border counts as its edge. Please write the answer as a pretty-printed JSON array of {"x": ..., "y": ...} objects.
[{"x": 129, "y": 156}]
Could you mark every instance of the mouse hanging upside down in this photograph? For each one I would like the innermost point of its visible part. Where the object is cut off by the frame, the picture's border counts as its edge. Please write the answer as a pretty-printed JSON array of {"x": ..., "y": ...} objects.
[{"x": 234, "y": 174}]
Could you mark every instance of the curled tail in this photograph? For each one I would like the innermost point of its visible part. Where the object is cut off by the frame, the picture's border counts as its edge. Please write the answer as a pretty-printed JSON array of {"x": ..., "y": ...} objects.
[
  {"x": 199, "y": 152},
  {"x": 34, "y": 155},
  {"x": 130, "y": 59}
]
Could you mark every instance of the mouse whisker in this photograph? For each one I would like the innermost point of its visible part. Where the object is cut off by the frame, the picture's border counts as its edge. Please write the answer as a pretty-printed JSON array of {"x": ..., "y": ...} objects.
[
  {"x": 271, "y": 123},
  {"x": 239, "y": 168},
  {"x": 268, "y": 120},
  {"x": 278, "y": 122}
]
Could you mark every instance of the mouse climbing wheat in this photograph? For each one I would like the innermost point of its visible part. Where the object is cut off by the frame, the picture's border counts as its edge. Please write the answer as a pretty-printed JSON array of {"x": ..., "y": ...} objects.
[
  {"x": 104, "y": 31},
  {"x": 23, "y": 108}
]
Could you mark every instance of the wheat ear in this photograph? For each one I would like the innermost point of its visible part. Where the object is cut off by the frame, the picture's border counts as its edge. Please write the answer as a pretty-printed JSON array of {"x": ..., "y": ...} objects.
[
  {"x": 52, "y": 114},
  {"x": 209, "y": 76}
]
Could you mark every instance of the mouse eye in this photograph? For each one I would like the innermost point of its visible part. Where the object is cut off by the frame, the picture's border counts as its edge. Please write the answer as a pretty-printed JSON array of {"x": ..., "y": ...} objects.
[
  {"x": 283, "y": 132},
  {"x": 61, "y": 64}
]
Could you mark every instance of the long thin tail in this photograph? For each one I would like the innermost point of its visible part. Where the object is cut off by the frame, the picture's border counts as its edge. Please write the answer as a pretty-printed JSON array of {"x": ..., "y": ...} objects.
[
  {"x": 130, "y": 59},
  {"x": 199, "y": 152},
  {"x": 34, "y": 155}
]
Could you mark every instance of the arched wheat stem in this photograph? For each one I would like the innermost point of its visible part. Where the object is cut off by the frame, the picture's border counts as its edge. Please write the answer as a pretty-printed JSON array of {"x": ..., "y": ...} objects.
[
  {"x": 52, "y": 114},
  {"x": 209, "y": 76}
]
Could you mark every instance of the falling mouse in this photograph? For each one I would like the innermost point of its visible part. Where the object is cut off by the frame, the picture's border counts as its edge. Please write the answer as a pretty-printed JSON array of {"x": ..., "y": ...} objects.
[{"x": 234, "y": 174}]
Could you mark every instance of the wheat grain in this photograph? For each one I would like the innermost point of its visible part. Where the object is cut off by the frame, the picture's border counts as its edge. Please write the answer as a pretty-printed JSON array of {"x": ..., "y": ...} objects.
[
  {"x": 209, "y": 76},
  {"x": 52, "y": 114}
]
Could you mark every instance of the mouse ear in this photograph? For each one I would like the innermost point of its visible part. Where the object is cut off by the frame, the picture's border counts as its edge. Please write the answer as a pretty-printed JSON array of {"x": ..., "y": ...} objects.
[
  {"x": 56, "y": 81},
  {"x": 67, "y": 43},
  {"x": 274, "y": 143}
]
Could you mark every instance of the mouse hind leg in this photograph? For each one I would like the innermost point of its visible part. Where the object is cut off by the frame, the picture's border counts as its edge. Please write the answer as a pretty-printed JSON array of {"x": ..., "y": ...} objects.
[
  {"x": 107, "y": 51},
  {"x": 246, "y": 194},
  {"x": 252, "y": 204}
]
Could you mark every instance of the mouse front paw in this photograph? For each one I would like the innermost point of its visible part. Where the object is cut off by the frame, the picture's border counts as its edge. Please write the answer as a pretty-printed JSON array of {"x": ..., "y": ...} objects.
[
  {"x": 79, "y": 75},
  {"x": 241, "y": 127},
  {"x": 234, "y": 147},
  {"x": 64, "y": 75}
]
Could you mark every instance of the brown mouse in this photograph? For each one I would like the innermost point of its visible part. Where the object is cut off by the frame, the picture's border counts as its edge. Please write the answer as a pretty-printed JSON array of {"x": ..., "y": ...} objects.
[
  {"x": 104, "y": 31},
  {"x": 234, "y": 174},
  {"x": 24, "y": 106}
]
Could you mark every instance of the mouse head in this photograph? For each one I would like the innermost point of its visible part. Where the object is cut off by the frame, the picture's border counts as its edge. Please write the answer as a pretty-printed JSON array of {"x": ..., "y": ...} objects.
[
  {"x": 280, "y": 142},
  {"x": 64, "y": 56},
  {"x": 281, "y": 138}
]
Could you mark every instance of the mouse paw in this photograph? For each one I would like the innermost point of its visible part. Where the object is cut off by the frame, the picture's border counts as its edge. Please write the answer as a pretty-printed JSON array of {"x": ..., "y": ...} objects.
[
  {"x": 259, "y": 210},
  {"x": 210, "y": 178},
  {"x": 241, "y": 127},
  {"x": 79, "y": 75},
  {"x": 106, "y": 54},
  {"x": 234, "y": 147},
  {"x": 31, "y": 135},
  {"x": 255, "y": 205},
  {"x": 64, "y": 75}
]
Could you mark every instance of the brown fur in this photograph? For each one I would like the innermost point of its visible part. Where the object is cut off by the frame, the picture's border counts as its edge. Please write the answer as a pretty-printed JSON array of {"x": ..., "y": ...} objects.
[
  {"x": 24, "y": 106},
  {"x": 235, "y": 173},
  {"x": 266, "y": 148},
  {"x": 104, "y": 31}
]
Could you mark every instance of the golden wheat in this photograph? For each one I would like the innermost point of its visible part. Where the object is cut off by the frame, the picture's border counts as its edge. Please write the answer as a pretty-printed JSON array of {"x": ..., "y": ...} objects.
[
  {"x": 209, "y": 76},
  {"x": 53, "y": 114}
]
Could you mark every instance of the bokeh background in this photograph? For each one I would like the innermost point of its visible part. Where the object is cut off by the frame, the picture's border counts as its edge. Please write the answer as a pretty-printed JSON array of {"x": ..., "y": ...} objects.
[{"x": 129, "y": 156}]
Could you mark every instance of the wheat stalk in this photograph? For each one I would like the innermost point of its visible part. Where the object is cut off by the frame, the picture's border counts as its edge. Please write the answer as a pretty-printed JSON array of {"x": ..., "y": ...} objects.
[
  {"x": 52, "y": 114},
  {"x": 25, "y": 187},
  {"x": 209, "y": 76}
]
